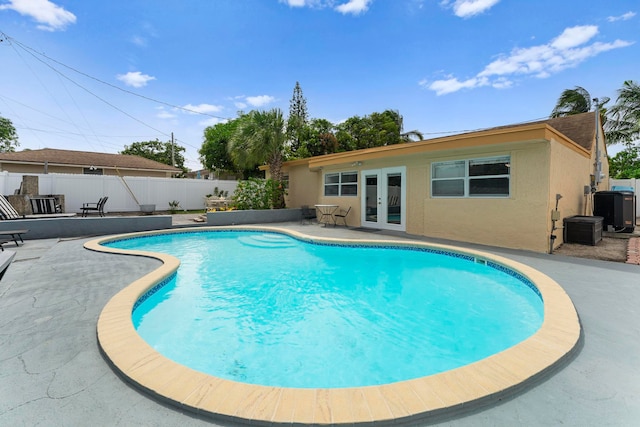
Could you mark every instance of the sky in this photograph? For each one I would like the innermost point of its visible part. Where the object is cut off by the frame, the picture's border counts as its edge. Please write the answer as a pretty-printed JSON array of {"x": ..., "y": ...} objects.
[{"x": 100, "y": 75}]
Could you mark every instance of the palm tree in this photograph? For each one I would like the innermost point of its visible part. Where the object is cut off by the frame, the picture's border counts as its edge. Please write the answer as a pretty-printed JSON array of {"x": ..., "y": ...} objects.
[
  {"x": 576, "y": 101},
  {"x": 624, "y": 117},
  {"x": 411, "y": 136},
  {"x": 260, "y": 139}
]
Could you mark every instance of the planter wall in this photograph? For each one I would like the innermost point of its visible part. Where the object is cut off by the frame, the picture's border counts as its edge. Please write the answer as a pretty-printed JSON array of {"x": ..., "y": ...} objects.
[
  {"x": 49, "y": 228},
  {"x": 253, "y": 216}
]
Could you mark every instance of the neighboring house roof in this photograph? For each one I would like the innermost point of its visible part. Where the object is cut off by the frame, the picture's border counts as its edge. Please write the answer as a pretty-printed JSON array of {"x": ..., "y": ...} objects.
[{"x": 85, "y": 159}]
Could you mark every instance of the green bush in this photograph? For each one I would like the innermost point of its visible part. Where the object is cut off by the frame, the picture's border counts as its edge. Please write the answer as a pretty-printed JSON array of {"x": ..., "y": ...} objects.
[{"x": 257, "y": 193}]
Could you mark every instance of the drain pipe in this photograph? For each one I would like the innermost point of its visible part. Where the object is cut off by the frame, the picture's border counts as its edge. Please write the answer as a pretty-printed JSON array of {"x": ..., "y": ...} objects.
[{"x": 555, "y": 216}]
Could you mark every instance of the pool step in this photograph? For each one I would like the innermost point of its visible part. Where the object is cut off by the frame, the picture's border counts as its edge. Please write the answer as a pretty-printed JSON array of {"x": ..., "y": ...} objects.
[{"x": 267, "y": 240}]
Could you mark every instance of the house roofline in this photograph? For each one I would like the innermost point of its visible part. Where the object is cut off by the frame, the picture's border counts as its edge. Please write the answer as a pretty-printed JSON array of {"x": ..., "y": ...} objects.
[
  {"x": 78, "y": 165},
  {"x": 532, "y": 132},
  {"x": 525, "y": 133}
]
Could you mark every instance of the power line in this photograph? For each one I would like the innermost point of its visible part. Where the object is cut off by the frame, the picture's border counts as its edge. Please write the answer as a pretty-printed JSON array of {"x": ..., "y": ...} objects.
[
  {"x": 27, "y": 48},
  {"x": 453, "y": 132},
  {"x": 33, "y": 53}
]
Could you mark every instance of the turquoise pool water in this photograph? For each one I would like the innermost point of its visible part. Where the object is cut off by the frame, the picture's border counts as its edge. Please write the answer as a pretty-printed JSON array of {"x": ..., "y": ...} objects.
[{"x": 265, "y": 308}]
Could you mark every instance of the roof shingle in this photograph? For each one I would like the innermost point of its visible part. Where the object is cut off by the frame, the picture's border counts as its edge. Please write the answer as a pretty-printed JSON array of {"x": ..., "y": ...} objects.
[{"x": 86, "y": 158}]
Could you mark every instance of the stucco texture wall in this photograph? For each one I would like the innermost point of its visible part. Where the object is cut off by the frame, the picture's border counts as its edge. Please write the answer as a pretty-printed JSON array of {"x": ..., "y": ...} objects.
[
  {"x": 303, "y": 186},
  {"x": 344, "y": 202},
  {"x": 569, "y": 175},
  {"x": 518, "y": 221}
]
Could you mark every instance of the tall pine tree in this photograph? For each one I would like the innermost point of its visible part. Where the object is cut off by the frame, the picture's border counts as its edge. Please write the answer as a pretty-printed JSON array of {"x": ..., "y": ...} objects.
[{"x": 298, "y": 119}]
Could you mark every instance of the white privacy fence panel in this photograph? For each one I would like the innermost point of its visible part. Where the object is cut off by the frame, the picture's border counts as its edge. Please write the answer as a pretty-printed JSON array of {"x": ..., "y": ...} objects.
[
  {"x": 79, "y": 189},
  {"x": 635, "y": 183}
]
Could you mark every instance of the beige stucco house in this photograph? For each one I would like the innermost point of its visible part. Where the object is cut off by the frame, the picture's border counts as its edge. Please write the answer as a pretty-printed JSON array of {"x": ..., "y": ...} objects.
[
  {"x": 496, "y": 186},
  {"x": 50, "y": 160}
]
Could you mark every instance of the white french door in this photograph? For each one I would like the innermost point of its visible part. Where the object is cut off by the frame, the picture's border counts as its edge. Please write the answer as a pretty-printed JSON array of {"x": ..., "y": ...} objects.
[{"x": 384, "y": 198}]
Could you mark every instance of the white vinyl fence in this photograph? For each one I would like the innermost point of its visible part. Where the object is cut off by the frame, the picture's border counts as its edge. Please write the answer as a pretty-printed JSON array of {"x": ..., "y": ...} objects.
[
  {"x": 125, "y": 193},
  {"x": 634, "y": 183}
]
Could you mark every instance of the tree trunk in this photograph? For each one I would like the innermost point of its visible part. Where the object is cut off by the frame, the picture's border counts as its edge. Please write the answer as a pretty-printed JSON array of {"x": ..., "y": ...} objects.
[{"x": 275, "y": 167}]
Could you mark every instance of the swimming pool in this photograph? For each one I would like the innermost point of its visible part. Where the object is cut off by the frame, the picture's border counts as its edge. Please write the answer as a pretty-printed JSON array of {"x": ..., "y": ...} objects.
[
  {"x": 490, "y": 376},
  {"x": 298, "y": 314}
]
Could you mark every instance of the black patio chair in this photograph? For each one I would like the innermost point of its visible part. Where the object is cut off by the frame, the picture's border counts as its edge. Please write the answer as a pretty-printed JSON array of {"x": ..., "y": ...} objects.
[{"x": 98, "y": 207}]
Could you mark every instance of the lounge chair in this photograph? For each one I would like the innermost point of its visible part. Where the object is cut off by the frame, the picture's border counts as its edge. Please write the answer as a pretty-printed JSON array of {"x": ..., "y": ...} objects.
[
  {"x": 7, "y": 212},
  {"x": 342, "y": 216},
  {"x": 15, "y": 235},
  {"x": 98, "y": 207},
  {"x": 308, "y": 214},
  {"x": 5, "y": 261}
]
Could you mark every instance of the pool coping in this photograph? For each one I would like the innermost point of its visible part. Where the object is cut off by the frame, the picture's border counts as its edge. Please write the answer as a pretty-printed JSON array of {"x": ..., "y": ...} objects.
[{"x": 481, "y": 382}]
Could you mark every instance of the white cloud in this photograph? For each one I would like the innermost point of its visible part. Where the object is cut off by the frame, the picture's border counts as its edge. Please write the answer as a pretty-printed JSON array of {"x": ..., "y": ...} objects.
[
  {"x": 623, "y": 17},
  {"x": 50, "y": 16},
  {"x": 469, "y": 8},
  {"x": 574, "y": 36},
  {"x": 240, "y": 105},
  {"x": 354, "y": 7},
  {"x": 135, "y": 79},
  {"x": 203, "y": 108},
  {"x": 567, "y": 50},
  {"x": 259, "y": 101},
  {"x": 452, "y": 84},
  {"x": 295, "y": 3},
  {"x": 501, "y": 83},
  {"x": 345, "y": 7}
]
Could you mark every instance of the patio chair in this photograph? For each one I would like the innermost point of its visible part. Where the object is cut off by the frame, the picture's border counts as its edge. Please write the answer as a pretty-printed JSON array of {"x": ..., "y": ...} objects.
[
  {"x": 342, "y": 216},
  {"x": 98, "y": 207},
  {"x": 308, "y": 214},
  {"x": 7, "y": 211}
]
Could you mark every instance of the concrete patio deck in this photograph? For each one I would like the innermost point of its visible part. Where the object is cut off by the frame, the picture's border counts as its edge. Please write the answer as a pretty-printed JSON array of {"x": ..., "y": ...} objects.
[{"x": 51, "y": 371}]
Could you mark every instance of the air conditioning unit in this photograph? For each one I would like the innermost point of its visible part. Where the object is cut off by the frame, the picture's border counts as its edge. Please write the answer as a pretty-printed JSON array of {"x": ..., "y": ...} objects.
[{"x": 617, "y": 208}]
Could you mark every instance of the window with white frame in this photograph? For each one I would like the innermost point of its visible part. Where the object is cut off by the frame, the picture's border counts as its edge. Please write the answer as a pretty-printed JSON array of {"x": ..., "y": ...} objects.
[
  {"x": 341, "y": 184},
  {"x": 488, "y": 177}
]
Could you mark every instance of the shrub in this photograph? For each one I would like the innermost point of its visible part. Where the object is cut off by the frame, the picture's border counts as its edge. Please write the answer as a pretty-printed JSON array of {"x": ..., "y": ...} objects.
[
  {"x": 173, "y": 206},
  {"x": 257, "y": 193}
]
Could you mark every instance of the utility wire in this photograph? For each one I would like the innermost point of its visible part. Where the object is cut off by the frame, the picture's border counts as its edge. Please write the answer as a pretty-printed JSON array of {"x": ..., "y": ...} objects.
[
  {"x": 27, "y": 48},
  {"x": 95, "y": 95},
  {"x": 33, "y": 53},
  {"x": 481, "y": 129}
]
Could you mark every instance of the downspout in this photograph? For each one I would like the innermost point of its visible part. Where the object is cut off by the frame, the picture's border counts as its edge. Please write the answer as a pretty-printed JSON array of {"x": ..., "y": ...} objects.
[
  {"x": 555, "y": 216},
  {"x": 598, "y": 162}
]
